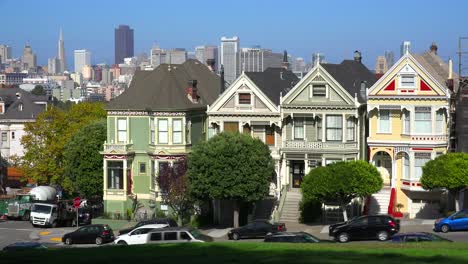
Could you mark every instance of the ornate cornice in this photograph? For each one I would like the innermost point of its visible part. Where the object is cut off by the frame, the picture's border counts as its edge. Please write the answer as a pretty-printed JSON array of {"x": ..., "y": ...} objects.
[{"x": 144, "y": 113}]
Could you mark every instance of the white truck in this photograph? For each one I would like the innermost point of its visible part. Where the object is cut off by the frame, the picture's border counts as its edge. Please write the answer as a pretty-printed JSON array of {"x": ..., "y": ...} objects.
[
  {"x": 53, "y": 214},
  {"x": 20, "y": 206}
]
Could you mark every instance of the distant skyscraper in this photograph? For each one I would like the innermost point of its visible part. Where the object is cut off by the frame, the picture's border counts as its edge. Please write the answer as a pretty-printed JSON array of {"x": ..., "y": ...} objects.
[
  {"x": 5, "y": 53},
  {"x": 318, "y": 58},
  {"x": 381, "y": 65},
  {"x": 390, "y": 57},
  {"x": 176, "y": 56},
  {"x": 61, "y": 54},
  {"x": 82, "y": 58},
  {"x": 299, "y": 65},
  {"x": 257, "y": 60},
  {"x": 228, "y": 52},
  {"x": 157, "y": 56},
  {"x": 53, "y": 66},
  {"x": 405, "y": 47},
  {"x": 29, "y": 58},
  {"x": 123, "y": 43},
  {"x": 203, "y": 53}
]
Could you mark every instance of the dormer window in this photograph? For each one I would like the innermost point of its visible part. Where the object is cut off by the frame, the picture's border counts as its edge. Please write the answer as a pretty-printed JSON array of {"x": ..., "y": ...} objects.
[
  {"x": 407, "y": 81},
  {"x": 245, "y": 99}
]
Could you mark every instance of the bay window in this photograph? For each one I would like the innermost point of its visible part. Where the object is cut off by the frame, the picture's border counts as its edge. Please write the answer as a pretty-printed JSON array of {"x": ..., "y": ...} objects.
[
  {"x": 115, "y": 174},
  {"x": 334, "y": 124},
  {"x": 299, "y": 128},
  {"x": 440, "y": 124},
  {"x": 420, "y": 160},
  {"x": 152, "y": 131},
  {"x": 384, "y": 121},
  {"x": 162, "y": 131},
  {"x": 319, "y": 129},
  {"x": 351, "y": 129},
  {"x": 406, "y": 122},
  {"x": 121, "y": 130},
  {"x": 422, "y": 120},
  {"x": 177, "y": 131}
]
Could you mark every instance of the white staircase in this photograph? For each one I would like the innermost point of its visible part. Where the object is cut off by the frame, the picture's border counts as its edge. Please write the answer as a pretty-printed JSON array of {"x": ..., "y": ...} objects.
[
  {"x": 290, "y": 212},
  {"x": 379, "y": 201}
]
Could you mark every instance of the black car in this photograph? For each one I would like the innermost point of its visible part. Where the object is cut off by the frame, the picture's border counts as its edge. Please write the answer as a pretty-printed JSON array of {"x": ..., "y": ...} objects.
[
  {"x": 168, "y": 221},
  {"x": 292, "y": 237},
  {"x": 418, "y": 237},
  {"x": 380, "y": 227},
  {"x": 258, "y": 228},
  {"x": 19, "y": 246},
  {"x": 90, "y": 234}
]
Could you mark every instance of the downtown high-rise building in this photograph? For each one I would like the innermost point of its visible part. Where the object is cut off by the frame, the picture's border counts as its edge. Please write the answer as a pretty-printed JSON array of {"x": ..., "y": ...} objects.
[
  {"x": 61, "y": 54},
  {"x": 204, "y": 53},
  {"x": 123, "y": 43},
  {"x": 390, "y": 58},
  {"x": 256, "y": 59},
  {"x": 228, "y": 57},
  {"x": 5, "y": 53},
  {"x": 157, "y": 56},
  {"x": 381, "y": 66},
  {"x": 405, "y": 47},
  {"x": 298, "y": 65},
  {"x": 176, "y": 56},
  {"x": 53, "y": 66},
  {"x": 82, "y": 58},
  {"x": 29, "y": 58}
]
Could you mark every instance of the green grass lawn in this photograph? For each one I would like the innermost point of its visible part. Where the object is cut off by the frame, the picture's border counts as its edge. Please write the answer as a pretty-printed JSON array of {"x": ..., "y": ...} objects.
[{"x": 231, "y": 252}]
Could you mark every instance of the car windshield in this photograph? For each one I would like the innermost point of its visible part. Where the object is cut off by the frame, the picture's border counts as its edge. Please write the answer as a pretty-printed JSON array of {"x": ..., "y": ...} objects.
[
  {"x": 43, "y": 209},
  {"x": 23, "y": 198},
  {"x": 309, "y": 237},
  {"x": 438, "y": 238},
  {"x": 198, "y": 235}
]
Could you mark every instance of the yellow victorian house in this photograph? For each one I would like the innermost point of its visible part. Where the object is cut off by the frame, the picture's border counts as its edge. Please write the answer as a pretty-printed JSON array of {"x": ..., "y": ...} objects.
[{"x": 409, "y": 116}]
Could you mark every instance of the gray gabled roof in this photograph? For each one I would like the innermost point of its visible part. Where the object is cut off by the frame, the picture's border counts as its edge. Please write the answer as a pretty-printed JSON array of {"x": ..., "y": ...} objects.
[
  {"x": 437, "y": 68},
  {"x": 20, "y": 104},
  {"x": 164, "y": 88},
  {"x": 273, "y": 82},
  {"x": 349, "y": 74}
]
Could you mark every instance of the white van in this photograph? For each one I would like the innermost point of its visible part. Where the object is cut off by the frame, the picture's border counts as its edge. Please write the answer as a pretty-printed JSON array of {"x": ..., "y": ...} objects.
[
  {"x": 177, "y": 235},
  {"x": 138, "y": 235}
]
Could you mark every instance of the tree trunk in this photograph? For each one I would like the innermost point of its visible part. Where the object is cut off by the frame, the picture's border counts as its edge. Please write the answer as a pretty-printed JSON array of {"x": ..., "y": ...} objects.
[
  {"x": 236, "y": 214},
  {"x": 345, "y": 214}
]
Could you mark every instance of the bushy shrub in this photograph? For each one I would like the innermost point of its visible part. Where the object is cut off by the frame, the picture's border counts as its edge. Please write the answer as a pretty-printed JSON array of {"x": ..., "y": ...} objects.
[{"x": 311, "y": 211}]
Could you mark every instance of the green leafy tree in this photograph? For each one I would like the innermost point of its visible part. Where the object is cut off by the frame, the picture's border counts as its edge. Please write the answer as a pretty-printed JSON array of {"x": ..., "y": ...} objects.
[
  {"x": 448, "y": 171},
  {"x": 46, "y": 138},
  {"x": 82, "y": 160},
  {"x": 230, "y": 166},
  {"x": 341, "y": 182},
  {"x": 38, "y": 90}
]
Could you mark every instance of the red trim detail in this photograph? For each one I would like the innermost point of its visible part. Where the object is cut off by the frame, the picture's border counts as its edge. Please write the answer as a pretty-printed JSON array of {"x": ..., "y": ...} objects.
[
  {"x": 406, "y": 183},
  {"x": 421, "y": 148},
  {"x": 424, "y": 86},
  {"x": 404, "y": 91},
  {"x": 418, "y": 184},
  {"x": 390, "y": 87},
  {"x": 391, "y": 205}
]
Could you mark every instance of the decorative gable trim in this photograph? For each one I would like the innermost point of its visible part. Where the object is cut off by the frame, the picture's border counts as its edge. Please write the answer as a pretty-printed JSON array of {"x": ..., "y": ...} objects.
[
  {"x": 318, "y": 78},
  {"x": 390, "y": 86},
  {"x": 424, "y": 87}
]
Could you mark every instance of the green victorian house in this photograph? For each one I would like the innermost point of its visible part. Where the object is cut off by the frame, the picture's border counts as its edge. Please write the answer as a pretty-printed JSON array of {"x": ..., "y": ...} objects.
[{"x": 152, "y": 126}]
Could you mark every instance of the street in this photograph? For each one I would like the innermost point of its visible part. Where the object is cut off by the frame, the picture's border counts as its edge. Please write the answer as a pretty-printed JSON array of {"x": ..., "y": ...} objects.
[{"x": 17, "y": 231}]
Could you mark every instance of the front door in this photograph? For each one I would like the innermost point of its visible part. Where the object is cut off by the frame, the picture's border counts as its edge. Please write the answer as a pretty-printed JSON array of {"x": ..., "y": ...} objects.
[{"x": 297, "y": 167}]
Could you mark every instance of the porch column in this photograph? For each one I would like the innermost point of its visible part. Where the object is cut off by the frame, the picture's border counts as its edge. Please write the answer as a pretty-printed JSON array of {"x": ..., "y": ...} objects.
[
  {"x": 411, "y": 164},
  {"x": 278, "y": 180},
  {"x": 306, "y": 167},
  {"x": 393, "y": 181},
  {"x": 344, "y": 130},
  {"x": 283, "y": 173}
]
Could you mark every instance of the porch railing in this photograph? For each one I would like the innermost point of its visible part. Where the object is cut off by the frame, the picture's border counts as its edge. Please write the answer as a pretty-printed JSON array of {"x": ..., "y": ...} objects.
[{"x": 300, "y": 144}]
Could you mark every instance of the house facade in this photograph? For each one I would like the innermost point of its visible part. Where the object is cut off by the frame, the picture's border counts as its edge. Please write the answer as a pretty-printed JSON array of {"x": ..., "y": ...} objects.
[
  {"x": 323, "y": 118},
  {"x": 250, "y": 105},
  {"x": 151, "y": 127},
  {"x": 409, "y": 116}
]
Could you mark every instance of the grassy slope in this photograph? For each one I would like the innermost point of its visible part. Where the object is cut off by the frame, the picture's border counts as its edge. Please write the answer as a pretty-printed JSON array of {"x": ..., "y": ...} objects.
[{"x": 257, "y": 253}]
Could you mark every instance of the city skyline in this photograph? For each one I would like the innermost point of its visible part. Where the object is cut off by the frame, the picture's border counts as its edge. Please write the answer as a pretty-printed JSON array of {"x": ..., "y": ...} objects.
[{"x": 289, "y": 27}]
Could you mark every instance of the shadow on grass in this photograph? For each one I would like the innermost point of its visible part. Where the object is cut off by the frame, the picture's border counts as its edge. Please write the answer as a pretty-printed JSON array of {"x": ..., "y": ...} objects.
[{"x": 243, "y": 253}]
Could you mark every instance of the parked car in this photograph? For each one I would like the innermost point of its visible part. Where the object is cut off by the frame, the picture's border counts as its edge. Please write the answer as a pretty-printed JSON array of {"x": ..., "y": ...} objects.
[
  {"x": 177, "y": 235},
  {"x": 455, "y": 222},
  {"x": 138, "y": 235},
  {"x": 380, "y": 227},
  {"x": 418, "y": 237},
  {"x": 258, "y": 228},
  {"x": 19, "y": 246},
  {"x": 168, "y": 221},
  {"x": 292, "y": 237},
  {"x": 84, "y": 217},
  {"x": 90, "y": 234}
]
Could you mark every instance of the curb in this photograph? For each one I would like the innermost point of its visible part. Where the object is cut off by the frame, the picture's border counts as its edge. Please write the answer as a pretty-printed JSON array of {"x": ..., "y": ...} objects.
[{"x": 34, "y": 235}]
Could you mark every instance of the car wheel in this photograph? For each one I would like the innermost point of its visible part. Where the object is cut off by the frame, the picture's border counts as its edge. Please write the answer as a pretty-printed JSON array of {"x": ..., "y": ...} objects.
[
  {"x": 68, "y": 241},
  {"x": 25, "y": 216},
  {"x": 343, "y": 237},
  {"x": 121, "y": 242},
  {"x": 382, "y": 236},
  {"x": 235, "y": 236},
  {"x": 445, "y": 228},
  {"x": 98, "y": 240}
]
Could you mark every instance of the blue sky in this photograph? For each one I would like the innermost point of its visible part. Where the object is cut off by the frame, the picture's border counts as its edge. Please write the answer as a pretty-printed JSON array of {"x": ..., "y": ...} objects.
[{"x": 335, "y": 28}]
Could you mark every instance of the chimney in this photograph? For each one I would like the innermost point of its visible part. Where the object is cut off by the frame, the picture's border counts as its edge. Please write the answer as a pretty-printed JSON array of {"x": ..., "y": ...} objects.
[
  {"x": 192, "y": 92},
  {"x": 285, "y": 62},
  {"x": 357, "y": 56},
  {"x": 433, "y": 48},
  {"x": 450, "y": 76},
  {"x": 211, "y": 64},
  {"x": 221, "y": 74}
]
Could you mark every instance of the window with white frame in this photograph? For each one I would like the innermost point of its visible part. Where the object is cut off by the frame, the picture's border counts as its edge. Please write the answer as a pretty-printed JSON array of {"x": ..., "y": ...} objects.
[
  {"x": 408, "y": 81},
  {"x": 245, "y": 99},
  {"x": 406, "y": 122},
  {"x": 384, "y": 121},
  {"x": 350, "y": 128},
  {"x": 440, "y": 124},
  {"x": 319, "y": 129},
  {"x": 152, "y": 131},
  {"x": 420, "y": 160},
  {"x": 299, "y": 128},
  {"x": 115, "y": 174},
  {"x": 406, "y": 166},
  {"x": 121, "y": 130},
  {"x": 422, "y": 120},
  {"x": 334, "y": 126},
  {"x": 177, "y": 131},
  {"x": 319, "y": 90},
  {"x": 162, "y": 131}
]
